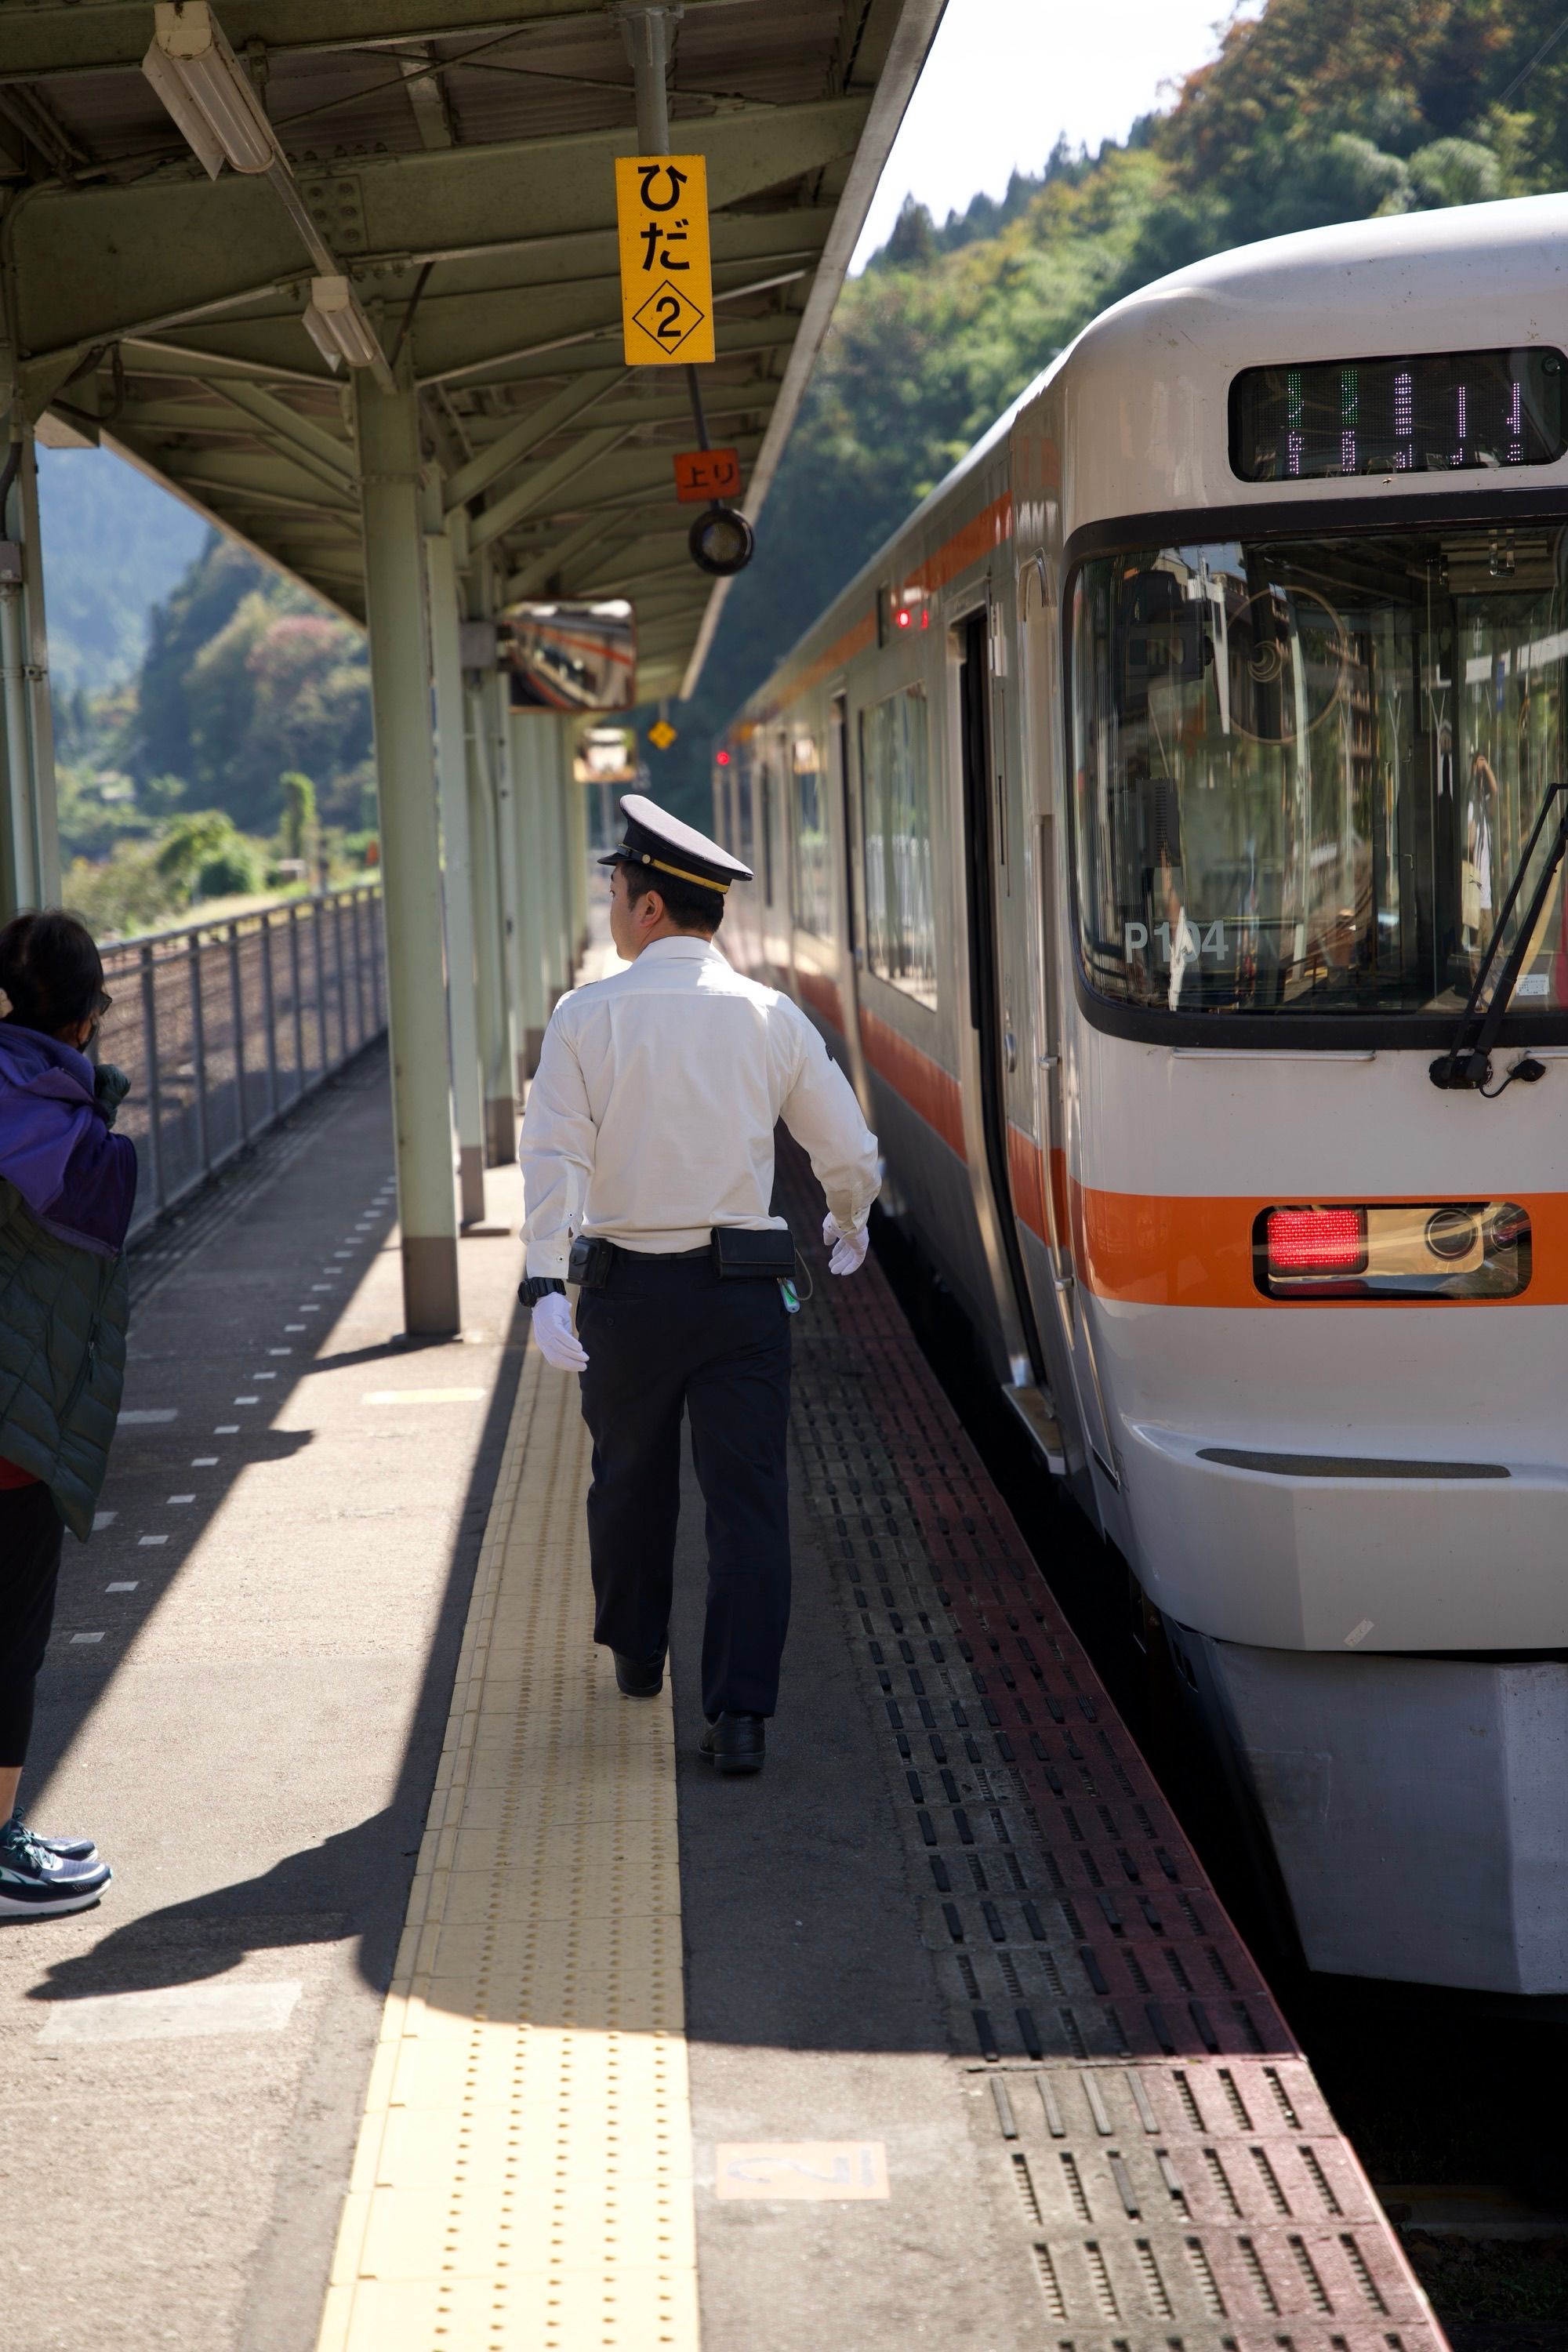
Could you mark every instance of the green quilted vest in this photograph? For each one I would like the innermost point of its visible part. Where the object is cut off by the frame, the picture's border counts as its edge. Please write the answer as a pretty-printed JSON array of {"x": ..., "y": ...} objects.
[{"x": 63, "y": 1312}]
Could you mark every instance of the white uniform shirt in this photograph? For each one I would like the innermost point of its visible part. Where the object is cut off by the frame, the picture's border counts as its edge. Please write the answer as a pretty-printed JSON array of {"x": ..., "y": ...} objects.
[{"x": 651, "y": 1116}]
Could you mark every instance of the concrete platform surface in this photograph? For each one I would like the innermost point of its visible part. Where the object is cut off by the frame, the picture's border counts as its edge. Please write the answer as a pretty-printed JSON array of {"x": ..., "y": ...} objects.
[{"x": 243, "y": 1703}]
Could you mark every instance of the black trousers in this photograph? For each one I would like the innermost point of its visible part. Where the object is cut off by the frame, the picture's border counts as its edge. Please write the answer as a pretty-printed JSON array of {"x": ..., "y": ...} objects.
[
  {"x": 31, "y": 1532},
  {"x": 664, "y": 1334}
]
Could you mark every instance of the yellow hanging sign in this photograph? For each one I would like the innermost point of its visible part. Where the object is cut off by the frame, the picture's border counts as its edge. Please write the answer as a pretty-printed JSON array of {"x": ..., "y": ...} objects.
[{"x": 666, "y": 270}]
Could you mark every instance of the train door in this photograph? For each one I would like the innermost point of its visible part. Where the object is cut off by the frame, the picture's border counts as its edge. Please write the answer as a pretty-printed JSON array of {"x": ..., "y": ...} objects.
[
  {"x": 1058, "y": 1309},
  {"x": 983, "y": 811},
  {"x": 847, "y": 910}
]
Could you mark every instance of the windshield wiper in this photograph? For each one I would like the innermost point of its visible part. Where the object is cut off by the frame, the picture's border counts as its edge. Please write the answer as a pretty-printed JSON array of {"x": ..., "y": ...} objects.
[{"x": 1467, "y": 1061}]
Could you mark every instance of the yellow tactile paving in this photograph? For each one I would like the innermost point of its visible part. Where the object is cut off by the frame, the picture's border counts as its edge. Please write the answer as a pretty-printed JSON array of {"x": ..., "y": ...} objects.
[{"x": 522, "y": 2181}]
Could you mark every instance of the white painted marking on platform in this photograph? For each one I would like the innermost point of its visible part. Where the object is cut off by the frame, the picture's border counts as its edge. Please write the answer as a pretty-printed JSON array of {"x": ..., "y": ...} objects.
[
  {"x": 205, "y": 1461},
  {"x": 278, "y": 1351},
  {"x": 320, "y": 1286},
  {"x": 103, "y": 1520},
  {"x": 148, "y": 1413},
  {"x": 342, "y": 1252},
  {"x": 151, "y": 1543},
  {"x": 817, "y": 2169},
  {"x": 182, "y": 1498},
  {"x": 226, "y": 1429},
  {"x": 264, "y": 1376},
  {"x": 307, "y": 1310},
  {"x": 247, "y": 1400},
  {"x": 424, "y": 1396},
  {"x": 174, "y": 2013},
  {"x": 86, "y": 1637},
  {"x": 288, "y": 1326},
  {"x": 131, "y": 1587}
]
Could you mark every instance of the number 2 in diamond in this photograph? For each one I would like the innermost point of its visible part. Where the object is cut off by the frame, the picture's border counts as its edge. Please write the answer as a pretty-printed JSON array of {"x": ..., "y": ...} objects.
[{"x": 666, "y": 318}]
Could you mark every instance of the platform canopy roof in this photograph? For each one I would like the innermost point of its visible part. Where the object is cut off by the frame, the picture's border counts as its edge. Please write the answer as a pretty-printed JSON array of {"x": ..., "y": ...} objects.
[{"x": 454, "y": 159}]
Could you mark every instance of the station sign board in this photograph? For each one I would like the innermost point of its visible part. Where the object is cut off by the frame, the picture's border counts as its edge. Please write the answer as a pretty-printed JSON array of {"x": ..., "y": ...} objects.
[{"x": 666, "y": 270}]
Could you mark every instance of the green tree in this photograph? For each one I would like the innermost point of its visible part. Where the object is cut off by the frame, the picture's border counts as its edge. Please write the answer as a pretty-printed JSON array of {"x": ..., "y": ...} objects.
[
  {"x": 299, "y": 815},
  {"x": 203, "y": 855}
]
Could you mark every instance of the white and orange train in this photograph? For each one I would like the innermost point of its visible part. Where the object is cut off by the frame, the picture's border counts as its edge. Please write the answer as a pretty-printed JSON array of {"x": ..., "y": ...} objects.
[{"x": 1165, "y": 830}]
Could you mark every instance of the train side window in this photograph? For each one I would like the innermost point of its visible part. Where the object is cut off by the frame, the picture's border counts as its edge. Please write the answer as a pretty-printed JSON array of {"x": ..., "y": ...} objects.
[
  {"x": 743, "y": 817},
  {"x": 812, "y": 869},
  {"x": 766, "y": 815},
  {"x": 895, "y": 807}
]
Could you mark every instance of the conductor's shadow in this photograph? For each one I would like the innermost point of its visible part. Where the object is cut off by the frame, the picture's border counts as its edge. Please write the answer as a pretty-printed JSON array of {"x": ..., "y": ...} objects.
[{"x": 352, "y": 1884}]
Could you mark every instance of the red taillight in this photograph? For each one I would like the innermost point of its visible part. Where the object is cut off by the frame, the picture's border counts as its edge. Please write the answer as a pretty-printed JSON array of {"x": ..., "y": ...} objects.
[
  {"x": 723, "y": 759},
  {"x": 1317, "y": 1241}
]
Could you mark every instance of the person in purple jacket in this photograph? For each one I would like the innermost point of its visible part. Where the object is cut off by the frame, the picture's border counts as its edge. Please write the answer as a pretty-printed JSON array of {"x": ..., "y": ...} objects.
[{"x": 67, "y": 1188}]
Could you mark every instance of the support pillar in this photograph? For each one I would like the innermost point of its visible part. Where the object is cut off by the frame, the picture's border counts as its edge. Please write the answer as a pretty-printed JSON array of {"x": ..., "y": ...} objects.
[
  {"x": 390, "y": 466},
  {"x": 29, "y": 836},
  {"x": 517, "y": 865},
  {"x": 577, "y": 852},
  {"x": 536, "y": 998},
  {"x": 452, "y": 768},
  {"x": 497, "y": 1055},
  {"x": 552, "y": 814}
]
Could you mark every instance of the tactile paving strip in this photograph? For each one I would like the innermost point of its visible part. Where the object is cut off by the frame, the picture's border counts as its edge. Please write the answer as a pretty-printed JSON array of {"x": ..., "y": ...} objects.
[
  {"x": 1160, "y": 2144},
  {"x": 523, "y": 2173}
]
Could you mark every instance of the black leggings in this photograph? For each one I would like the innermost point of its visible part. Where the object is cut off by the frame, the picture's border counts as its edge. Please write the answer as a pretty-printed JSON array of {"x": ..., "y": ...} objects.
[{"x": 31, "y": 1532}]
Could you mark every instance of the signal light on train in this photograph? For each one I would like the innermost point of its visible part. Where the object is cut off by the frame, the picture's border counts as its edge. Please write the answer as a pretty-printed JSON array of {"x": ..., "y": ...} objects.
[
  {"x": 722, "y": 758},
  {"x": 1317, "y": 1241}
]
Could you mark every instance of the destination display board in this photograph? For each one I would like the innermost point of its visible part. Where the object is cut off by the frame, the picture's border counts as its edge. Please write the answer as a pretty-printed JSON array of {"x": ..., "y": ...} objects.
[{"x": 1432, "y": 411}]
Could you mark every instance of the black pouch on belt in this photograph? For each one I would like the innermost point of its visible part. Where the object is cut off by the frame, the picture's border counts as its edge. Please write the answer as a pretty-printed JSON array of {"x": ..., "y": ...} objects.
[
  {"x": 590, "y": 1263},
  {"x": 740, "y": 1255}
]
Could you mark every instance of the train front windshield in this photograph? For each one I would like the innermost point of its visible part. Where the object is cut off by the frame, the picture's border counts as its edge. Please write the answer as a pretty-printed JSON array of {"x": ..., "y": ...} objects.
[{"x": 1306, "y": 770}]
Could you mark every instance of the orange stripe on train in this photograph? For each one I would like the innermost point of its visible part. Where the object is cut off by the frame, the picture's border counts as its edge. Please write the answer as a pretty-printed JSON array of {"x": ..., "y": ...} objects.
[
  {"x": 929, "y": 1089},
  {"x": 1153, "y": 1249}
]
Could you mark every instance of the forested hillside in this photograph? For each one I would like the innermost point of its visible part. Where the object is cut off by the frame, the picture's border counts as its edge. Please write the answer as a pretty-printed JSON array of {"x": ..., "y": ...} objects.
[
  {"x": 237, "y": 754},
  {"x": 1318, "y": 110},
  {"x": 114, "y": 543}
]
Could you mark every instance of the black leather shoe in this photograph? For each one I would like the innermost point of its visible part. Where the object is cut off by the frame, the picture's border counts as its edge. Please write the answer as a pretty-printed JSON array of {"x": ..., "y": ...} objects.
[
  {"x": 735, "y": 1743},
  {"x": 637, "y": 1679}
]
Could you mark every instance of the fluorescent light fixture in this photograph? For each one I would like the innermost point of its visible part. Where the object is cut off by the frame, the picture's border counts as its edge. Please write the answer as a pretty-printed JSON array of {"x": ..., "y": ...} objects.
[
  {"x": 206, "y": 89},
  {"x": 336, "y": 324}
]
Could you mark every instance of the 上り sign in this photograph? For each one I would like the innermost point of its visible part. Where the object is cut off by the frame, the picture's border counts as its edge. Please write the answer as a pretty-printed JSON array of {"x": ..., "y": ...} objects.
[
  {"x": 666, "y": 272},
  {"x": 703, "y": 474}
]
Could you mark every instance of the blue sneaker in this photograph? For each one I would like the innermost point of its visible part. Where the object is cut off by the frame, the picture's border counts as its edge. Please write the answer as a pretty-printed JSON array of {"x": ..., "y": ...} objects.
[
  {"x": 36, "y": 1883},
  {"x": 68, "y": 1849}
]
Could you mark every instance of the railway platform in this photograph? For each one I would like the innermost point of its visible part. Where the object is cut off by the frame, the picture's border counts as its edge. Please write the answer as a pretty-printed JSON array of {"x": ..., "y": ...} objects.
[{"x": 443, "y": 2003}]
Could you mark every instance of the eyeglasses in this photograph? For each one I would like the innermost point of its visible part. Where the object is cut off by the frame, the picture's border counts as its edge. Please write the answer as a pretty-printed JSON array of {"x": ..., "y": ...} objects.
[{"x": 102, "y": 1005}]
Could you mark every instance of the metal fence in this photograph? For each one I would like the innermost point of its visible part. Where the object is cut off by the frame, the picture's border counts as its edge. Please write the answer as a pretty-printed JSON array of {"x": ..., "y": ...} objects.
[{"x": 225, "y": 1026}]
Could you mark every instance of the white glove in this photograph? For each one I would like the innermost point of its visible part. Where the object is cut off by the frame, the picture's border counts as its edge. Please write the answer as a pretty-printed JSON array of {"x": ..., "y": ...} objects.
[
  {"x": 553, "y": 1336},
  {"x": 848, "y": 1249}
]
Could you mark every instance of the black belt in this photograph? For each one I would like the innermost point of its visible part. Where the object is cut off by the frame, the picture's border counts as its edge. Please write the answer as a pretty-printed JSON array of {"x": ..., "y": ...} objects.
[{"x": 737, "y": 1253}]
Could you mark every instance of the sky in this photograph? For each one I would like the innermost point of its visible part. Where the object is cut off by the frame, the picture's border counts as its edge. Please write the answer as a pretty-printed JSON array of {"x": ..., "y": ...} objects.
[{"x": 1004, "y": 77}]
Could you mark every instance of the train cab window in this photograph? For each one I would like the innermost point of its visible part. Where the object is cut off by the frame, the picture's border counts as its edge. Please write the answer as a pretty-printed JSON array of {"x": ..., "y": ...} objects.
[
  {"x": 1305, "y": 770},
  {"x": 813, "y": 872},
  {"x": 895, "y": 790}
]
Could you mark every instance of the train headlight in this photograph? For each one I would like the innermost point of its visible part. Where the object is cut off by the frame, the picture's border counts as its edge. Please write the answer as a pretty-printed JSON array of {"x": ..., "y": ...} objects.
[
  {"x": 1451, "y": 1233},
  {"x": 1326, "y": 1251}
]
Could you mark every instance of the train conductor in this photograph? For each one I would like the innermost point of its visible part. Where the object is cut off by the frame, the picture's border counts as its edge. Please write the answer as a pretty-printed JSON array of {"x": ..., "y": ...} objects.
[{"x": 648, "y": 1164}]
